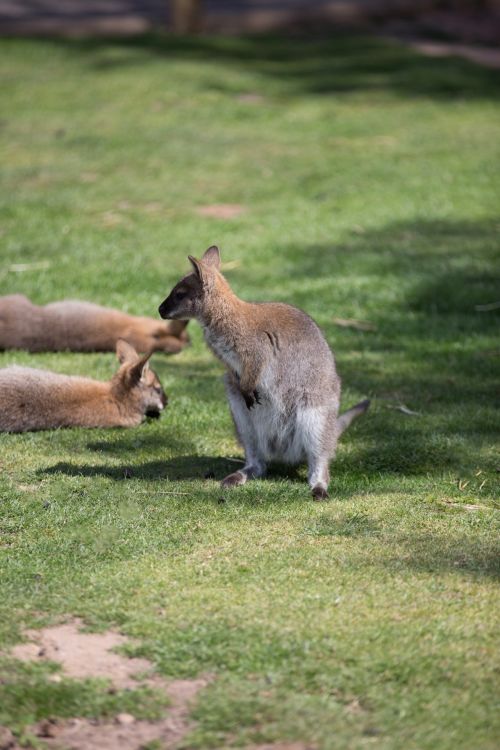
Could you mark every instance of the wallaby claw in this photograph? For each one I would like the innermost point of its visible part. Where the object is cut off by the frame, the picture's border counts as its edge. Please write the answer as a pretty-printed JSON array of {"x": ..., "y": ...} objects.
[{"x": 251, "y": 399}]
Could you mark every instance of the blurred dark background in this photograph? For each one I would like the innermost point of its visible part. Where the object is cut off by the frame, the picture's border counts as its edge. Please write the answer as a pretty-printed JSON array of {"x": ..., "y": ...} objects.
[{"x": 445, "y": 21}]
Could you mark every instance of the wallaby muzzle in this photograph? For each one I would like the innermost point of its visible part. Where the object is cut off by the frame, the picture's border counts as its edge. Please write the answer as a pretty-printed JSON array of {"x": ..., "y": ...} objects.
[{"x": 166, "y": 309}]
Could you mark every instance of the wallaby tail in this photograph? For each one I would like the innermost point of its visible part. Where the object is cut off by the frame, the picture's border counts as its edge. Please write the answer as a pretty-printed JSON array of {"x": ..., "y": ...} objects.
[{"x": 351, "y": 414}]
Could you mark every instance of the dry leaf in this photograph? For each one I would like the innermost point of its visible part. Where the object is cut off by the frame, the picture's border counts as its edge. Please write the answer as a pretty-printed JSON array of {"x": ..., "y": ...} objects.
[
  {"x": 404, "y": 410},
  {"x": 36, "y": 266},
  {"x": 250, "y": 98},
  {"x": 488, "y": 307},
  {"x": 221, "y": 210},
  {"x": 359, "y": 325},
  {"x": 465, "y": 506}
]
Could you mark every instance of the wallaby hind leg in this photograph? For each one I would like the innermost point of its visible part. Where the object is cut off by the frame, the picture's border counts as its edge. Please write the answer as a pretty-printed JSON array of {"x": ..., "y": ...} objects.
[
  {"x": 320, "y": 443},
  {"x": 254, "y": 464},
  {"x": 319, "y": 476}
]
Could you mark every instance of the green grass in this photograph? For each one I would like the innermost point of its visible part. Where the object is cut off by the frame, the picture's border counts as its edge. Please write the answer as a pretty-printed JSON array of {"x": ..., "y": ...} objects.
[{"x": 370, "y": 180}]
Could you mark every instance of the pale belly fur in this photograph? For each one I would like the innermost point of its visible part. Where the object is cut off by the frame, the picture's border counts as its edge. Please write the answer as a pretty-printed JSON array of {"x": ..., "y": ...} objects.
[
  {"x": 280, "y": 436},
  {"x": 287, "y": 439}
]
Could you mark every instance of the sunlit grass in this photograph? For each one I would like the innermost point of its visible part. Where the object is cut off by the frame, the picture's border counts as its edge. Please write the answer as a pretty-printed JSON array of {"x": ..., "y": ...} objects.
[{"x": 369, "y": 181}]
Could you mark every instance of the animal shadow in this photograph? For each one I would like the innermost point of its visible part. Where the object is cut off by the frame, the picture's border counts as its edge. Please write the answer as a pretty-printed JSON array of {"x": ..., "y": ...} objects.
[{"x": 178, "y": 468}]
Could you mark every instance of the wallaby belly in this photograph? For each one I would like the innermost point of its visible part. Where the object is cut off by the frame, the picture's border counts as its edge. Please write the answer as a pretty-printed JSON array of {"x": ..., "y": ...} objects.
[{"x": 286, "y": 437}]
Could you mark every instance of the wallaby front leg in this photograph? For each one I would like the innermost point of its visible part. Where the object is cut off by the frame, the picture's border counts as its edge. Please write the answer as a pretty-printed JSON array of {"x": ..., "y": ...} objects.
[
  {"x": 254, "y": 463},
  {"x": 248, "y": 384}
]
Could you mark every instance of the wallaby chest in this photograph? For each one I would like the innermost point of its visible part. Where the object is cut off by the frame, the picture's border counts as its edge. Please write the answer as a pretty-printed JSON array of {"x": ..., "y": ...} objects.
[{"x": 224, "y": 348}]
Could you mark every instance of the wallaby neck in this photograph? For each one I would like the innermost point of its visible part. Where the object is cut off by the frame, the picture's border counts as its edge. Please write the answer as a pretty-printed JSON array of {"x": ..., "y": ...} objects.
[
  {"x": 107, "y": 404},
  {"x": 223, "y": 312}
]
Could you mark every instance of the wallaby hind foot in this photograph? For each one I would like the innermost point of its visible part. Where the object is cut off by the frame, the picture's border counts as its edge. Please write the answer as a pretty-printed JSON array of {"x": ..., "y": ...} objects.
[
  {"x": 234, "y": 480},
  {"x": 319, "y": 493}
]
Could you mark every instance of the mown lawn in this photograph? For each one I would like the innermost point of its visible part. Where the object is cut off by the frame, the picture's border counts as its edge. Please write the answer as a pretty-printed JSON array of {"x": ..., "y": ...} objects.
[{"x": 370, "y": 182}]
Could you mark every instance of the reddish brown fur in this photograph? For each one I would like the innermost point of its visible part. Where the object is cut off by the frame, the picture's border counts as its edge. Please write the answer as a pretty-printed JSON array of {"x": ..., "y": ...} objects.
[
  {"x": 41, "y": 400},
  {"x": 83, "y": 326}
]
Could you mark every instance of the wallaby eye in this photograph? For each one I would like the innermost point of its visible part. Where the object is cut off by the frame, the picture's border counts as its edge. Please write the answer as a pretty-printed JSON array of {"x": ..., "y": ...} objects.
[{"x": 181, "y": 293}]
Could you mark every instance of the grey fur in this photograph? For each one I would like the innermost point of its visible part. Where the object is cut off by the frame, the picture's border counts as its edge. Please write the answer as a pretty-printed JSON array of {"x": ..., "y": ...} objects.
[{"x": 282, "y": 384}]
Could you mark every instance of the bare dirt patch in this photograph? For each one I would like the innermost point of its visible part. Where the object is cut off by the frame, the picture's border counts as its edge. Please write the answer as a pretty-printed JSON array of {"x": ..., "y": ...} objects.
[
  {"x": 125, "y": 732},
  {"x": 221, "y": 210},
  {"x": 83, "y": 655},
  {"x": 90, "y": 655},
  {"x": 7, "y": 739}
]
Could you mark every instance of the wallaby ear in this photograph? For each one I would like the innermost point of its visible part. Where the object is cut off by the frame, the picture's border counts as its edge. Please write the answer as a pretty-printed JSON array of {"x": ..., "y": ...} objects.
[
  {"x": 125, "y": 351},
  {"x": 139, "y": 369},
  {"x": 196, "y": 267},
  {"x": 211, "y": 257}
]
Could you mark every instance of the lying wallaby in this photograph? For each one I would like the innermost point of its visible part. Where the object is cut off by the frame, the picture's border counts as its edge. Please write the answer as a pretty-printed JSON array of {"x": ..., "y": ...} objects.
[
  {"x": 42, "y": 400},
  {"x": 82, "y": 327},
  {"x": 281, "y": 383}
]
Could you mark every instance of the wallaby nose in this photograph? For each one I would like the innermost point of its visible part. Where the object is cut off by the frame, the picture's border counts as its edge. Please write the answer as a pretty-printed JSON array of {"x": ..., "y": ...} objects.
[{"x": 163, "y": 310}]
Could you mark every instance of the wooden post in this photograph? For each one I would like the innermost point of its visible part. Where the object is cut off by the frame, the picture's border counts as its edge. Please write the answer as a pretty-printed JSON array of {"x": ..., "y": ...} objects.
[{"x": 186, "y": 16}]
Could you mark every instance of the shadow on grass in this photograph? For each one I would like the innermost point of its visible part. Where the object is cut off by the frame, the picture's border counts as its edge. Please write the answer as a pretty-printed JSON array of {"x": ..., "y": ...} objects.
[
  {"x": 333, "y": 64},
  {"x": 423, "y": 283},
  {"x": 430, "y": 552},
  {"x": 348, "y": 524},
  {"x": 434, "y": 553},
  {"x": 179, "y": 468},
  {"x": 131, "y": 443},
  {"x": 432, "y": 350}
]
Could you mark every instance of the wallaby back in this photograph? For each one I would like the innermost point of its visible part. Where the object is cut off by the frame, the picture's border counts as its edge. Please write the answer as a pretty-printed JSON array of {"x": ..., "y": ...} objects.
[
  {"x": 82, "y": 326},
  {"x": 32, "y": 399}
]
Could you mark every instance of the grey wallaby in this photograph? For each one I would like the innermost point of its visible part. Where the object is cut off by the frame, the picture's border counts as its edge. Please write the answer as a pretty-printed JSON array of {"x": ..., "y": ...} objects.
[
  {"x": 281, "y": 381},
  {"x": 41, "y": 400},
  {"x": 79, "y": 326}
]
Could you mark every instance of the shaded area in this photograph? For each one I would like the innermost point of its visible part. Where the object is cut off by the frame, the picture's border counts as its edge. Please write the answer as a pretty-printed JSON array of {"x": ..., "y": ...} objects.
[
  {"x": 426, "y": 280},
  {"x": 347, "y": 524},
  {"x": 437, "y": 553},
  {"x": 173, "y": 469},
  {"x": 315, "y": 65},
  {"x": 431, "y": 350},
  {"x": 429, "y": 552},
  {"x": 478, "y": 23}
]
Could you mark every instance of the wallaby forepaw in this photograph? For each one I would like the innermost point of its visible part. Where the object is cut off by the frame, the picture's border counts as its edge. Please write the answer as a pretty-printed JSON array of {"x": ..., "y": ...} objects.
[
  {"x": 249, "y": 400},
  {"x": 319, "y": 493},
  {"x": 234, "y": 480}
]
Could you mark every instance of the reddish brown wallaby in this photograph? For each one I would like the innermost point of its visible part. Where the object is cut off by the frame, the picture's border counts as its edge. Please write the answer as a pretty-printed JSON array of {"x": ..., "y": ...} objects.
[
  {"x": 281, "y": 380},
  {"x": 41, "y": 400},
  {"x": 77, "y": 326}
]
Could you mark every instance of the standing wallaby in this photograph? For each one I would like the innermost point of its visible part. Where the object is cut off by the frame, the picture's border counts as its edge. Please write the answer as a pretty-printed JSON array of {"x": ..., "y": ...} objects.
[
  {"x": 41, "y": 400},
  {"x": 281, "y": 383},
  {"x": 82, "y": 327}
]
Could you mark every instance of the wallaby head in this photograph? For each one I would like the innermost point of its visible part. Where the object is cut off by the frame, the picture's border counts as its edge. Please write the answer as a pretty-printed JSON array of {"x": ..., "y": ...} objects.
[
  {"x": 196, "y": 293},
  {"x": 135, "y": 381}
]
